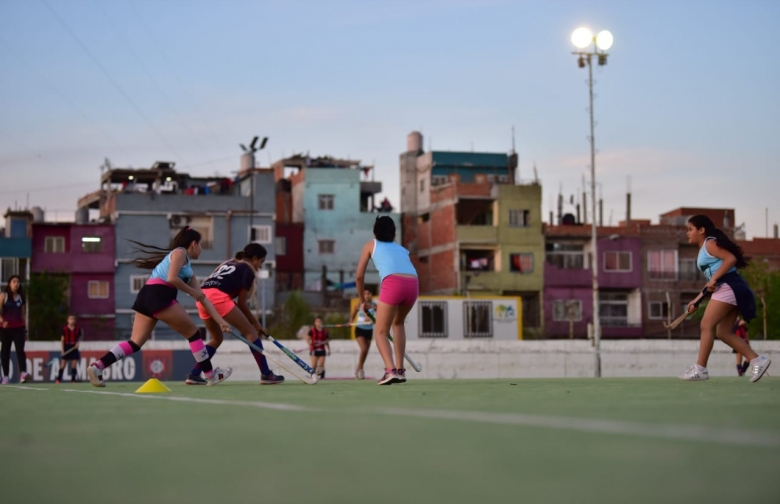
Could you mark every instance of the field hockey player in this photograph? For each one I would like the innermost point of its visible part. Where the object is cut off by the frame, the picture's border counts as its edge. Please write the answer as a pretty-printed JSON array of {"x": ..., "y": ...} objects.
[
  {"x": 397, "y": 294},
  {"x": 71, "y": 335},
  {"x": 235, "y": 279},
  {"x": 319, "y": 346},
  {"x": 171, "y": 273},
  {"x": 718, "y": 259}
]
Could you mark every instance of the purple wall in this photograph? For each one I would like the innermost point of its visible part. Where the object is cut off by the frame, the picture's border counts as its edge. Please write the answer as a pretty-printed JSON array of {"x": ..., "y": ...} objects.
[
  {"x": 558, "y": 277},
  {"x": 74, "y": 259},
  {"x": 621, "y": 280},
  {"x": 561, "y": 329}
]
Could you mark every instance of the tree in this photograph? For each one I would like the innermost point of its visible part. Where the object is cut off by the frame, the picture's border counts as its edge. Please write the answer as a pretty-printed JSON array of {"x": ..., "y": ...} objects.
[
  {"x": 766, "y": 286},
  {"x": 47, "y": 302},
  {"x": 295, "y": 314}
]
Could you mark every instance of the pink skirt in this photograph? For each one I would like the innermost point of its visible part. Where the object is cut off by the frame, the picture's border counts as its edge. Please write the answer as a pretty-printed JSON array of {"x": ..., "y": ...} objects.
[{"x": 724, "y": 294}]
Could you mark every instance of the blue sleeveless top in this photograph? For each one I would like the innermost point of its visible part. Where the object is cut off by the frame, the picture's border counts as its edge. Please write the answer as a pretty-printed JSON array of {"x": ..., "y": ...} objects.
[
  {"x": 709, "y": 264},
  {"x": 390, "y": 258},
  {"x": 161, "y": 270}
]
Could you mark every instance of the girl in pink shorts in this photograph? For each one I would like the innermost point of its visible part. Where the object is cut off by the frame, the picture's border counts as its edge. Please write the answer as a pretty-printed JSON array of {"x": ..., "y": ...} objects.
[
  {"x": 397, "y": 294},
  {"x": 235, "y": 279},
  {"x": 719, "y": 257}
]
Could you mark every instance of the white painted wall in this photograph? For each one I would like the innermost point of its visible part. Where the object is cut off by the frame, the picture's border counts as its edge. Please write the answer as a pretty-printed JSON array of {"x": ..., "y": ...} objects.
[
  {"x": 487, "y": 359},
  {"x": 504, "y": 311}
]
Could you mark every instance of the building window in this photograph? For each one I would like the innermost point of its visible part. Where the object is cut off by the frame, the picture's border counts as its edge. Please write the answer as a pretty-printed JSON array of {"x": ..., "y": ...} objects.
[
  {"x": 438, "y": 180},
  {"x": 613, "y": 309},
  {"x": 10, "y": 266},
  {"x": 97, "y": 289},
  {"x": 433, "y": 319},
  {"x": 519, "y": 218},
  {"x": 662, "y": 264},
  {"x": 260, "y": 234},
  {"x": 54, "y": 245},
  {"x": 280, "y": 247},
  {"x": 478, "y": 319},
  {"x": 136, "y": 282},
  {"x": 689, "y": 270},
  {"x": 565, "y": 310},
  {"x": 521, "y": 263},
  {"x": 617, "y": 261},
  {"x": 92, "y": 244},
  {"x": 565, "y": 256},
  {"x": 326, "y": 246},
  {"x": 325, "y": 201},
  {"x": 498, "y": 179},
  {"x": 658, "y": 310}
]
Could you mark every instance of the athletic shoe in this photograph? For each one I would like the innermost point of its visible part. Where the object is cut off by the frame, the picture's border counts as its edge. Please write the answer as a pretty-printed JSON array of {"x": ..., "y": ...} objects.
[
  {"x": 389, "y": 378},
  {"x": 195, "y": 380},
  {"x": 24, "y": 377},
  {"x": 359, "y": 374},
  {"x": 745, "y": 366},
  {"x": 219, "y": 376},
  {"x": 759, "y": 365},
  {"x": 271, "y": 379},
  {"x": 95, "y": 376},
  {"x": 740, "y": 370},
  {"x": 401, "y": 375},
  {"x": 695, "y": 373},
  {"x": 5, "y": 380},
  {"x": 57, "y": 381}
]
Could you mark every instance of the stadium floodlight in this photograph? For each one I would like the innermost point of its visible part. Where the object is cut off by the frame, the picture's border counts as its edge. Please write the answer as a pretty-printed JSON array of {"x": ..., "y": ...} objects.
[
  {"x": 604, "y": 40},
  {"x": 581, "y": 38}
]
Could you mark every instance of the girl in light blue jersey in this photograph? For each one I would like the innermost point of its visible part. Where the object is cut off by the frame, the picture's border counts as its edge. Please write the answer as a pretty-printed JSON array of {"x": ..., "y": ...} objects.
[
  {"x": 171, "y": 273},
  {"x": 719, "y": 258},
  {"x": 397, "y": 294}
]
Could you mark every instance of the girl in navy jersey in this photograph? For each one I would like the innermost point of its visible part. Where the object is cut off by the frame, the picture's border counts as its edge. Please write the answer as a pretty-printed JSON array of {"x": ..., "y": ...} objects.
[
  {"x": 171, "y": 273},
  {"x": 397, "y": 295},
  {"x": 719, "y": 258},
  {"x": 235, "y": 279},
  {"x": 71, "y": 335},
  {"x": 12, "y": 328}
]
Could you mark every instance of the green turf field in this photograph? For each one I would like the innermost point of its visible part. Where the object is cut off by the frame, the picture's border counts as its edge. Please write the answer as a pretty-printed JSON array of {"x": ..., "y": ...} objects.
[{"x": 475, "y": 441}]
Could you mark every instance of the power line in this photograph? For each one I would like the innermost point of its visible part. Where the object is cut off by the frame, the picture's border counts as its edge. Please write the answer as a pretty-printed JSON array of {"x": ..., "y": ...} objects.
[
  {"x": 163, "y": 54},
  {"x": 62, "y": 96},
  {"x": 108, "y": 76},
  {"x": 153, "y": 80}
]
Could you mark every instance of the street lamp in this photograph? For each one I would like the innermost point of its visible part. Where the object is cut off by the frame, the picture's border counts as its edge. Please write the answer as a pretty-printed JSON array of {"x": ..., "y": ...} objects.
[{"x": 583, "y": 38}]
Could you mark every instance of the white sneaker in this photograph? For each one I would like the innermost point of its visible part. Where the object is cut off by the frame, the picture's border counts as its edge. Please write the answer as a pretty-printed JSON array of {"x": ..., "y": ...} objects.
[
  {"x": 219, "y": 376},
  {"x": 95, "y": 376},
  {"x": 360, "y": 375},
  {"x": 695, "y": 373},
  {"x": 759, "y": 366}
]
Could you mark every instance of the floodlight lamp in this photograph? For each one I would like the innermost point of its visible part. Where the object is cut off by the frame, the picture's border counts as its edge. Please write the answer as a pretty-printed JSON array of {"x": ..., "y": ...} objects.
[
  {"x": 604, "y": 40},
  {"x": 581, "y": 38},
  {"x": 602, "y": 59},
  {"x": 581, "y": 62},
  {"x": 130, "y": 177}
]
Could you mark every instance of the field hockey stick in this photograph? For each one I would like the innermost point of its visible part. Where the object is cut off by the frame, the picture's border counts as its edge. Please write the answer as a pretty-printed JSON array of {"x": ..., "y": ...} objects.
[
  {"x": 696, "y": 302},
  {"x": 292, "y": 356},
  {"x": 416, "y": 365},
  {"x": 311, "y": 380},
  {"x": 51, "y": 362}
]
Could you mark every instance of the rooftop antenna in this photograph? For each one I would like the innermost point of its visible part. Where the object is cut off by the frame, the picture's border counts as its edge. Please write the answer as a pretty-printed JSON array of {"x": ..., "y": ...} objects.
[
  {"x": 248, "y": 164},
  {"x": 513, "y": 139},
  {"x": 536, "y": 175}
]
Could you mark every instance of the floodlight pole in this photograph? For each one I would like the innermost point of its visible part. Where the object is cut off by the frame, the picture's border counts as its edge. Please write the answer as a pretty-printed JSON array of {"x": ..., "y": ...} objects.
[{"x": 588, "y": 58}]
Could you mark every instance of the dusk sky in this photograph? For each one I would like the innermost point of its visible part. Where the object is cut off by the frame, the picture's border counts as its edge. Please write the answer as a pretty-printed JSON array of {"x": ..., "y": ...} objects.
[{"x": 688, "y": 105}]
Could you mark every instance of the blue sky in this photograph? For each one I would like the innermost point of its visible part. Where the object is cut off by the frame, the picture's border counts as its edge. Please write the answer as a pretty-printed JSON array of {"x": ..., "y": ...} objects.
[{"x": 687, "y": 107}]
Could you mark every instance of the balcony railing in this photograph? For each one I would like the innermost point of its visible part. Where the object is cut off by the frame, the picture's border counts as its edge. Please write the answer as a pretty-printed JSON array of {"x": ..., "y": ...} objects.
[{"x": 687, "y": 275}]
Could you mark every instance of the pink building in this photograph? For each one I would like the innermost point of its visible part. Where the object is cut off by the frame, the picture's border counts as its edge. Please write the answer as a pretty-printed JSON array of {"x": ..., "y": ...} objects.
[{"x": 85, "y": 254}]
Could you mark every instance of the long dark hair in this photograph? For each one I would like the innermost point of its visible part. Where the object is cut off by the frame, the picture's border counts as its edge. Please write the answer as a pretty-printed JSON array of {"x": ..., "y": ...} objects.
[
  {"x": 9, "y": 294},
  {"x": 384, "y": 229},
  {"x": 154, "y": 255},
  {"x": 721, "y": 239},
  {"x": 251, "y": 251}
]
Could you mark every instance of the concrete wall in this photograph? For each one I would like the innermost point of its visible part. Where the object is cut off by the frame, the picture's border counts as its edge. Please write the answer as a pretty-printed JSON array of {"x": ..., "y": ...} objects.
[{"x": 485, "y": 359}]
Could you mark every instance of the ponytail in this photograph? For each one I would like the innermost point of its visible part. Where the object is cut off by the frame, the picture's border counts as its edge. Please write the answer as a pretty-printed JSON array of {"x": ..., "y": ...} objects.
[
  {"x": 154, "y": 255},
  {"x": 251, "y": 251},
  {"x": 721, "y": 239}
]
